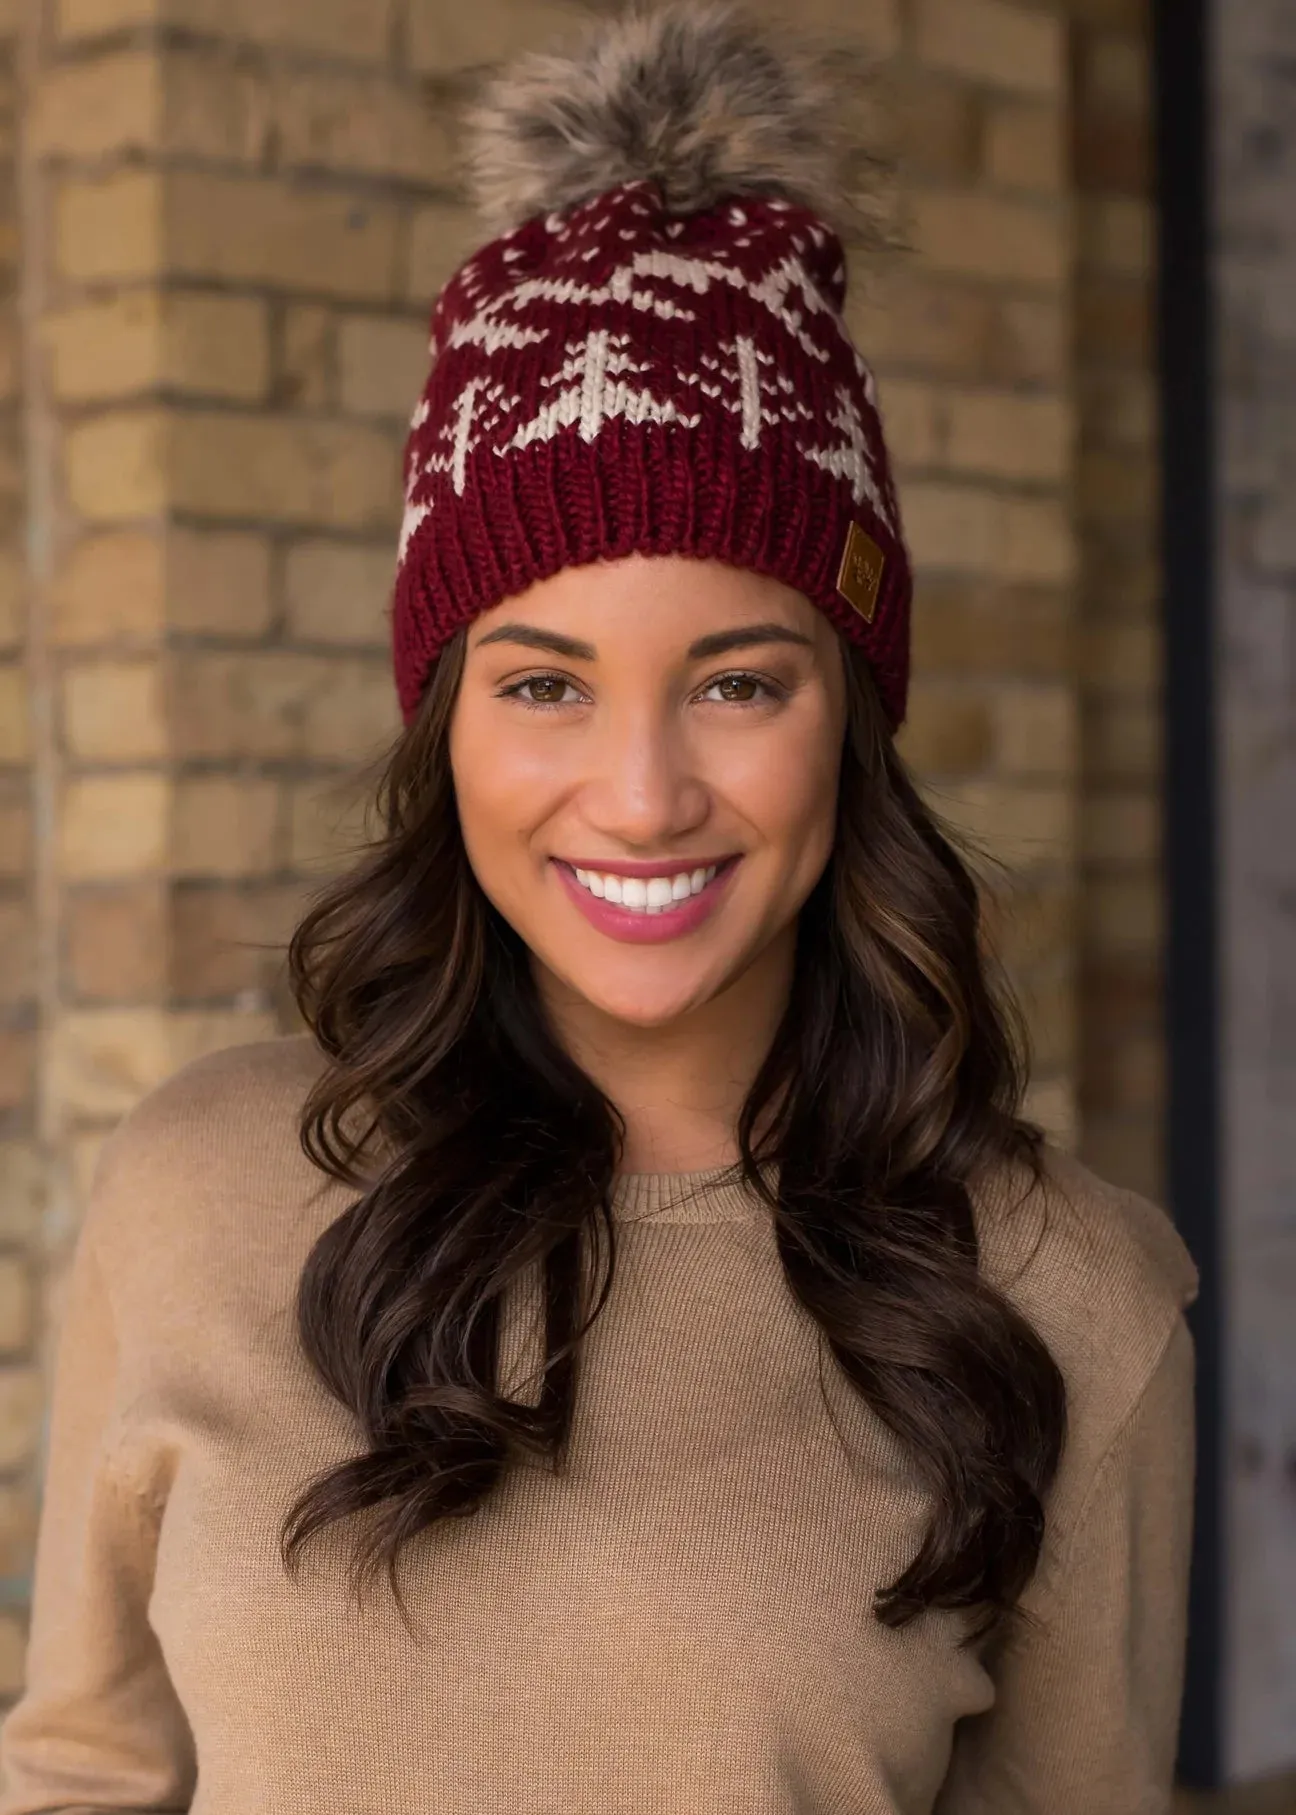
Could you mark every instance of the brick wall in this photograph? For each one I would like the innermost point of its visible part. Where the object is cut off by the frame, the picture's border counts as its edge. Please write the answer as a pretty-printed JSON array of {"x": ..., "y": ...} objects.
[
  {"x": 1254, "y": 87},
  {"x": 1121, "y": 1065},
  {"x": 971, "y": 336},
  {"x": 238, "y": 217},
  {"x": 21, "y": 1386}
]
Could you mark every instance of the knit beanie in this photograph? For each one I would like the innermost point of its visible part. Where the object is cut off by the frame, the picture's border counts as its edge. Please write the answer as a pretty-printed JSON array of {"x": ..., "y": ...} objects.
[{"x": 651, "y": 355}]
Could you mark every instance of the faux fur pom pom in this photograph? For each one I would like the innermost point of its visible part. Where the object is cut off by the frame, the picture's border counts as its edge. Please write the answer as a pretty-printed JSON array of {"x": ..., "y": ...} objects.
[{"x": 692, "y": 93}]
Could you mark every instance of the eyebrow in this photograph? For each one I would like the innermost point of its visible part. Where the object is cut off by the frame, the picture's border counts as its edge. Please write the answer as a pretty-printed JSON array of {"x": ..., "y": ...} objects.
[{"x": 720, "y": 642}]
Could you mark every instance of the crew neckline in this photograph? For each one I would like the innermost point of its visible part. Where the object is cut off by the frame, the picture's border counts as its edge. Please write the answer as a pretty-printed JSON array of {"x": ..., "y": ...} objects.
[{"x": 716, "y": 1194}]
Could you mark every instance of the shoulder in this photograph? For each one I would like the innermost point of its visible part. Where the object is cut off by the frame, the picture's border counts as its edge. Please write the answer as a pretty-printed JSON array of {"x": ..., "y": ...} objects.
[
  {"x": 218, "y": 1140},
  {"x": 1102, "y": 1275}
]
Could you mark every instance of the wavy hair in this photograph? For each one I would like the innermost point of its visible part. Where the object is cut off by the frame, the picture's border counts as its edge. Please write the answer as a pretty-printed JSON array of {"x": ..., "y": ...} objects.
[{"x": 895, "y": 1077}]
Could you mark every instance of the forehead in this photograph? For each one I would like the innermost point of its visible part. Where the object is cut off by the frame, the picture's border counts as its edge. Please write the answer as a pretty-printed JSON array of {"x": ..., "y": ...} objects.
[{"x": 654, "y": 598}]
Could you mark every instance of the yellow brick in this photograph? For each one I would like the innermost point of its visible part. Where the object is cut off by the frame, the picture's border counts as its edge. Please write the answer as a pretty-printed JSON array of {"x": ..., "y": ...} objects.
[
  {"x": 13, "y": 582},
  {"x": 913, "y": 416},
  {"x": 16, "y": 1320},
  {"x": 441, "y": 239},
  {"x": 110, "y": 227},
  {"x": 15, "y": 731},
  {"x": 17, "y": 951},
  {"x": 106, "y": 349},
  {"x": 383, "y": 364},
  {"x": 15, "y": 829},
  {"x": 1115, "y": 74},
  {"x": 947, "y": 730},
  {"x": 13, "y": 1654},
  {"x": 89, "y": 109},
  {"x": 1037, "y": 731},
  {"x": 117, "y": 466},
  {"x": 22, "y": 1406},
  {"x": 1025, "y": 146},
  {"x": 214, "y": 108},
  {"x": 1118, "y": 234},
  {"x": 326, "y": 824},
  {"x": 264, "y": 231},
  {"x": 1120, "y": 829},
  {"x": 987, "y": 236},
  {"x": 338, "y": 592},
  {"x": 445, "y": 37},
  {"x": 11, "y": 460},
  {"x": 101, "y": 1061},
  {"x": 277, "y": 704},
  {"x": 1002, "y": 436},
  {"x": 22, "y": 1190},
  {"x": 307, "y": 373},
  {"x": 360, "y": 123},
  {"x": 17, "y": 1069},
  {"x": 113, "y": 826},
  {"x": 320, "y": 474},
  {"x": 110, "y": 589},
  {"x": 991, "y": 41},
  {"x": 1122, "y": 741},
  {"x": 1123, "y": 916},
  {"x": 1051, "y": 1103},
  {"x": 352, "y": 717},
  {"x": 871, "y": 25},
  {"x": 1121, "y": 657},
  {"x": 961, "y": 529},
  {"x": 1024, "y": 827},
  {"x": 115, "y": 712},
  {"x": 216, "y": 346},
  {"x": 194, "y": 1033},
  {"x": 1119, "y": 409},
  {"x": 348, "y": 28},
  {"x": 89, "y": 18},
  {"x": 225, "y": 827},
  {"x": 1032, "y": 342},
  {"x": 10, "y": 353},
  {"x": 218, "y": 582},
  {"x": 19, "y": 1520}
]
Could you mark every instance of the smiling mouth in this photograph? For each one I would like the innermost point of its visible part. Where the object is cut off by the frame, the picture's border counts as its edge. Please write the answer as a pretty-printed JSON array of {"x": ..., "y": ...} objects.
[{"x": 661, "y": 894}]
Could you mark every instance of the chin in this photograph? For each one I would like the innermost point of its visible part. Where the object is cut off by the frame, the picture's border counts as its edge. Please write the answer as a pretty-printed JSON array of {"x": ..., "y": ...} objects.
[{"x": 641, "y": 1002}]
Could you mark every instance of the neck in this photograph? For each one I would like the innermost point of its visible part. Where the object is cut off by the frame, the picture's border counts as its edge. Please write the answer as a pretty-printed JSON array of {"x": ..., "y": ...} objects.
[{"x": 679, "y": 1087}]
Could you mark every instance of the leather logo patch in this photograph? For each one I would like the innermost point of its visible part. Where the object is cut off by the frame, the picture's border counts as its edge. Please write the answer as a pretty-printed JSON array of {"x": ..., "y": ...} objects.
[{"x": 862, "y": 567}]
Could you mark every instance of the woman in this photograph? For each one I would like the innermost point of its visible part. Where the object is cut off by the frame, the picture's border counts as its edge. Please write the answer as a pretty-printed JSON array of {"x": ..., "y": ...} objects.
[{"x": 666, "y": 1374}]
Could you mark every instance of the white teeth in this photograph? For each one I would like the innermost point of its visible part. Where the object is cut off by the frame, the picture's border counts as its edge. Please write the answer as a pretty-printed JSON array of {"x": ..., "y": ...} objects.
[{"x": 650, "y": 895}]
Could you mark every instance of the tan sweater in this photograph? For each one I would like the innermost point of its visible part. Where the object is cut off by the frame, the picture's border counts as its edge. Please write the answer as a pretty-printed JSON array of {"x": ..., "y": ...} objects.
[{"x": 680, "y": 1626}]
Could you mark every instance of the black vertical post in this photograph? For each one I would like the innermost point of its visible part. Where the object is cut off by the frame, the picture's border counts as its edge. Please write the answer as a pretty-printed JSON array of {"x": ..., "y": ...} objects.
[{"x": 1186, "y": 322}]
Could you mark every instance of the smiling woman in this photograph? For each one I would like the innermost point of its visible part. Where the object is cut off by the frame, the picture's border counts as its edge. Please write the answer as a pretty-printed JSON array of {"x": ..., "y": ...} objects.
[
  {"x": 651, "y": 1184},
  {"x": 584, "y": 794}
]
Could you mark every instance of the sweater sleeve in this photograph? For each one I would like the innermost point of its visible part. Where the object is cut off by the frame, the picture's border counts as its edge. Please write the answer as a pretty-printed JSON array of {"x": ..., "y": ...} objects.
[
  {"x": 99, "y": 1726},
  {"x": 1087, "y": 1711}
]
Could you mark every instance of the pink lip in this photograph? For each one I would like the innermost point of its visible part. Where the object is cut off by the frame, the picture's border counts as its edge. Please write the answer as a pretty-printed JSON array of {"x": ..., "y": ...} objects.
[{"x": 646, "y": 929}]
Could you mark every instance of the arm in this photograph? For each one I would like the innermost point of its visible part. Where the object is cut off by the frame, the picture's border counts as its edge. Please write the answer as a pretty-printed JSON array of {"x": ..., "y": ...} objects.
[
  {"x": 1087, "y": 1712},
  {"x": 99, "y": 1726}
]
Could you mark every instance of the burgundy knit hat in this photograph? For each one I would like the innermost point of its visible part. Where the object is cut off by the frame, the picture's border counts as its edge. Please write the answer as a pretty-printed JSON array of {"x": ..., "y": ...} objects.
[{"x": 651, "y": 357}]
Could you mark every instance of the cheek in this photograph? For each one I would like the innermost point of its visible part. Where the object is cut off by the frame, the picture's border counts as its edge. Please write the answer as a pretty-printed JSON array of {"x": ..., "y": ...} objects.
[
  {"x": 504, "y": 788},
  {"x": 788, "y": 790}
]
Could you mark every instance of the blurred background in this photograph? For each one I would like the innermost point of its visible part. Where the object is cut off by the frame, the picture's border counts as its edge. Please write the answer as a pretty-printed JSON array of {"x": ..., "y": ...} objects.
[{"x": 222, "y": 225}]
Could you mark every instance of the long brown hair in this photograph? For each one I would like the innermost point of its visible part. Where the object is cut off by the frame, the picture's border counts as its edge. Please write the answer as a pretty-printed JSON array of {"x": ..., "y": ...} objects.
[{"x": 894, "y": 1078}]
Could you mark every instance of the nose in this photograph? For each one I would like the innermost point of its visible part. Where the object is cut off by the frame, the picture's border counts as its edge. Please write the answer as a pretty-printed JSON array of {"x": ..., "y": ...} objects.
[{"x": 644, "y": 790}]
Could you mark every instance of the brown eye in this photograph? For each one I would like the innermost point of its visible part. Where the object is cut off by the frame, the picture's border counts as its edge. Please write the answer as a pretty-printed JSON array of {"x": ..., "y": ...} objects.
[
  {"x": 738, "y": 689},
  {"x": 544, "y": 689}
]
